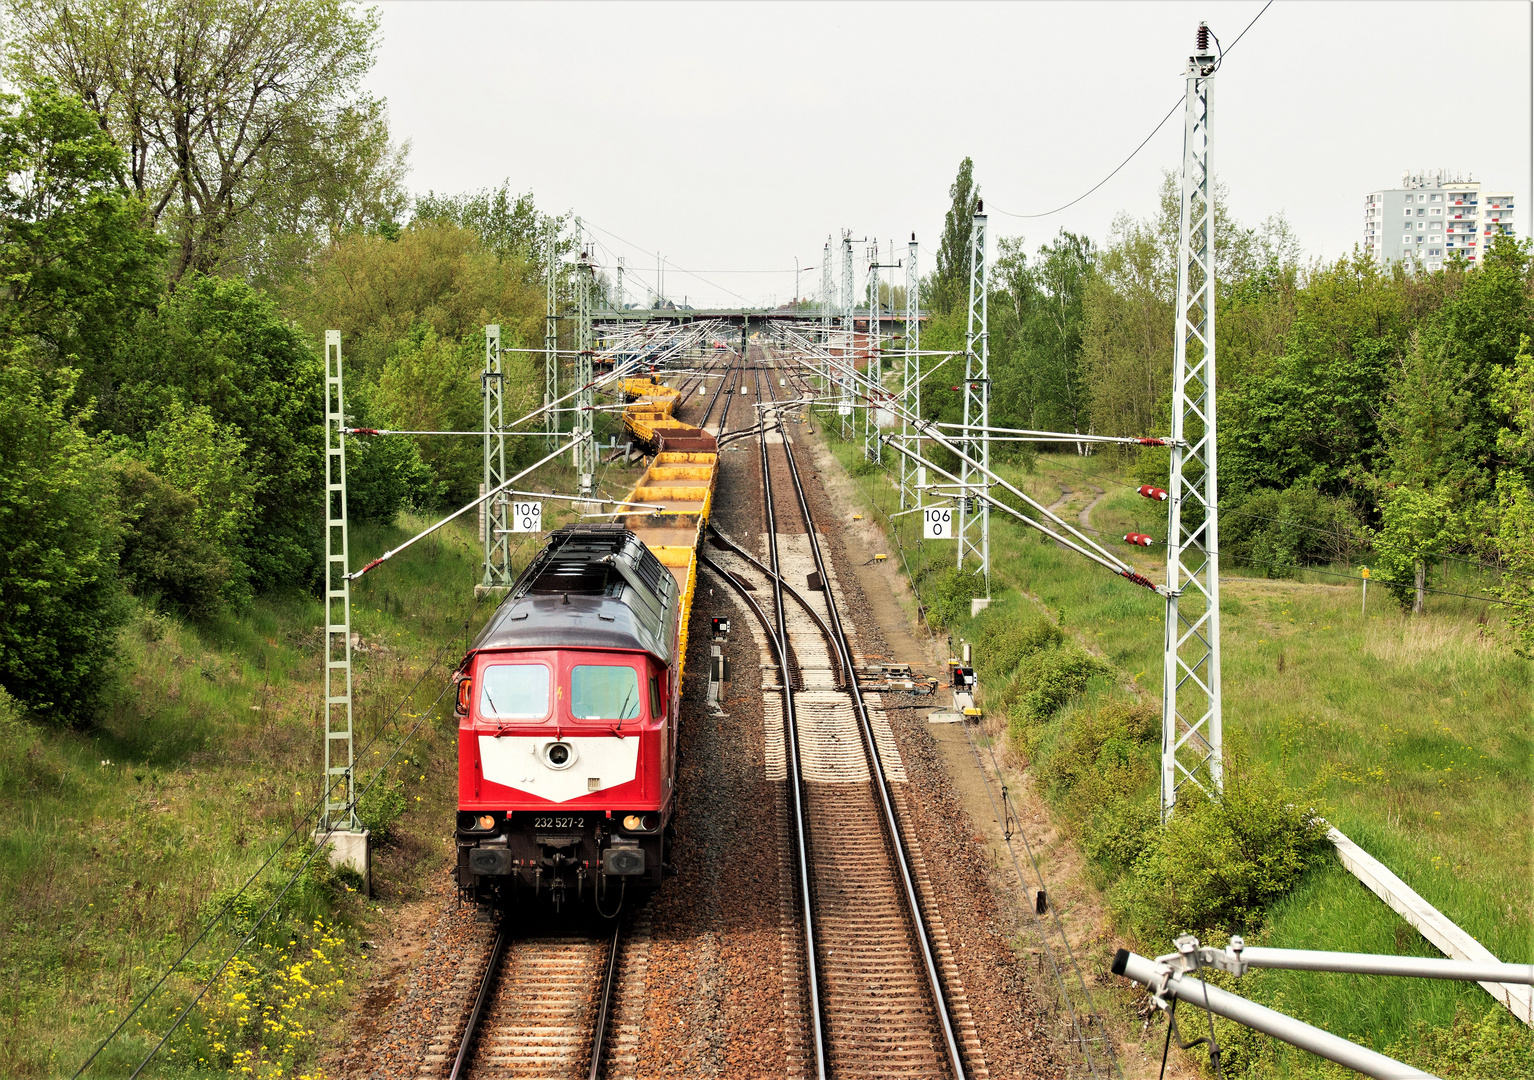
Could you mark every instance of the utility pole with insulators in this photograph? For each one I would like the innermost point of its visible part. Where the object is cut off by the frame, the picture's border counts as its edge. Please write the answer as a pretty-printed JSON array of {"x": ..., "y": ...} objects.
[
  {"x": 1190, "y": 696},
  {"x": 973, "y": 529},
  {"x": 497, "y": 573}
]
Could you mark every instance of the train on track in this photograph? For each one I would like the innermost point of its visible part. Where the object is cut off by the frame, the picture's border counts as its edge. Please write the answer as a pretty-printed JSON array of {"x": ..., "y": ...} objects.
[{"x": 568, "y": 700}]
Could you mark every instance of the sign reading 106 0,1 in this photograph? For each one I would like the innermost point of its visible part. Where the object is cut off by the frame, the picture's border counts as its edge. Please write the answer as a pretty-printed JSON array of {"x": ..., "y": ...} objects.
[
  {"x": 937, "y": 523},
  {"x": 526, "y": 517}
]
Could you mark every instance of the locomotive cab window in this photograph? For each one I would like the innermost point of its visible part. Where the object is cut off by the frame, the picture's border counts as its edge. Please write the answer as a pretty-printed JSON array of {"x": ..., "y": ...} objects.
[
  {"x": 514, "y": 692},
  {"x": 655, "y": 711},
  {"x": 601, "y": 692}
]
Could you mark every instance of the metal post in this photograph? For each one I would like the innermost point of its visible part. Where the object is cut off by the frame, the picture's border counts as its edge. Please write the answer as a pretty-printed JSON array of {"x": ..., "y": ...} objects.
[
  {"x": 825, "y": 313},
  {"x": 618, "y": 303},
  {"x": 910, "y": 389},
  {"x": 497, "y": 511},
  {"x": 1199, "y": 993},
  {"x": 973, "y": 529},
  {"x": 551, "y": 332},
  {"x": 585, "y": 398},
  {"x": 1191, "y": 742},
  {"x": 340, "y": 782},
  {"x": 875, "y": 367},
  {"x": 848, "y": 324}
]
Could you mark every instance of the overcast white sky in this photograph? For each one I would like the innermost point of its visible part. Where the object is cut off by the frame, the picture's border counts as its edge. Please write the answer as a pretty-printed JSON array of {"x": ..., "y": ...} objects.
[{"x": 733, "y": 137}]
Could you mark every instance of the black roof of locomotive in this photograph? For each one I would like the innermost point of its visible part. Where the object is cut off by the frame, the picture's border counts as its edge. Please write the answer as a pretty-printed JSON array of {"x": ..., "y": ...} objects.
[{"x": 591, "y": 587}]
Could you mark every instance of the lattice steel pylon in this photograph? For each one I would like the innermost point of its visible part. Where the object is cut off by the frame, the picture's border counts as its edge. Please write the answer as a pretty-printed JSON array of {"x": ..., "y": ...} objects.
[
  {"x": 973, "y": 521},
  {"x": 1191, "y": 737},
  {"x": 551, "y": 331},
  {"x": 340, "y": 780},
  {"x": 826, "y": 308},
  {"x": 910, "y": 383},
  {"x": 871, "y": 445},
  {"x": 497, "y": 513},
  {"x": 585, "y": 397},
  {"x": 849, "y": 359}
]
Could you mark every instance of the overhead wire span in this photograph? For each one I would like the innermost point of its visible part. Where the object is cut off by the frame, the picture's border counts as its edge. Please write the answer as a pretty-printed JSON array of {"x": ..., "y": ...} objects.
[{"x": 1159, "y": 125}]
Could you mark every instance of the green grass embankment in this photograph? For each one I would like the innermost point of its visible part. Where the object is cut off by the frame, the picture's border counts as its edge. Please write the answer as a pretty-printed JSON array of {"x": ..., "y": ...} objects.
[
  {"x": 119, "y": 841},
  {"x": 1414, "y": 735}
]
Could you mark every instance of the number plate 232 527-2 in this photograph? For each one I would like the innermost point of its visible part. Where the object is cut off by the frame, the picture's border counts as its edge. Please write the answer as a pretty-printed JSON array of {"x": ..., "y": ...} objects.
[{"x": 561, "y": 823}]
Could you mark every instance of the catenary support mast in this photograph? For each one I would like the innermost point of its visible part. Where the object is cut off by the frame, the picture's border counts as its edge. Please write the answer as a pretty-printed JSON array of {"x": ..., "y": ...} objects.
[
  {"x": 826, "y": 308},
  {"x": 973, "y": 529},
  {"x": 910, "y": 388},
  {"x": 551, "y": 330},
  {"x": 496, "y": 515},
  {"x": 849, "y": 324},
  {"x": 585, "y": 398},
  {"x": 340, "y": 781},
  {"x": 1190, "y": 707}
]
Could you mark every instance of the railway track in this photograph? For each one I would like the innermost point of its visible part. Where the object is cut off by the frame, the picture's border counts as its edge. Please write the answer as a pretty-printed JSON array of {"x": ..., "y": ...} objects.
[
  {"x": 882, "y": 992},
  {"x": 558, "y": 1005}
]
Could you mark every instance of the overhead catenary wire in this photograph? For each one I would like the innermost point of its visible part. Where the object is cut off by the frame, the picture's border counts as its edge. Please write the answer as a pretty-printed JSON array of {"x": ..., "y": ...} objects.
[{"x": 1159, "y": 125}]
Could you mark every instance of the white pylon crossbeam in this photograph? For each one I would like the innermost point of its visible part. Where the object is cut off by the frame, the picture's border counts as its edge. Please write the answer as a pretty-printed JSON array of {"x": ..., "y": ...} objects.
[{"x": 1191, "y": 729}]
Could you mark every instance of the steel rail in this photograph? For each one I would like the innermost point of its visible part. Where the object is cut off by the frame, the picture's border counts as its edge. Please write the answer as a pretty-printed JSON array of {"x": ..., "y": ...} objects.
[
  {"x": 477, "y": 1013},
  {"x": 791, "y": 731},
  {"x": 880, "y": 781},
  {"x": 802, "y": 600},
  {"x": 604, "y": 1011}
]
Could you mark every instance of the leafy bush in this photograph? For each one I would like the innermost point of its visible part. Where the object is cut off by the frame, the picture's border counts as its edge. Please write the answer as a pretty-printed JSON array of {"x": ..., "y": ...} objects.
[
  {"x": 380, "y": 807},
  {"x": 59, "y": 592},
  {"x": 1120, "y": 832},
  {"x": 1220, "y": 861},
  {"x": 1048, "y": 679},
  {"x": 1493, "y": 1047},
  {"x": 947, "y": 594},
  {"x": 163, "y": 554},
  {"x": 384, "y": 476},
  {"x": 1274, "y": 531},
  {"x": 1004, "y": 640},
  {"x": 1103, "y": 744},
  {"x": 219, "y": 343}
]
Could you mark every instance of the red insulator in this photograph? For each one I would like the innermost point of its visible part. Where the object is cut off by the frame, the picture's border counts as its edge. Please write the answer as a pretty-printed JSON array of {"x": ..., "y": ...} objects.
[
  {"x": 364, "y": 431},
  {"x": 1138, "y": 579},
  {"x": 1203, "y": 38},
  {"x": 1151, "y": 442},
  {"x": 1138, "y": 538},
  {"x": 1153, "y": 493}
]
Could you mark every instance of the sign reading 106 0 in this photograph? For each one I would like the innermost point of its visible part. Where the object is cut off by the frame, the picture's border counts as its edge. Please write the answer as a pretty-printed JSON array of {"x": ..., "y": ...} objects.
[
  {"x": 526, "y": 517},
  {"x": 937, "y": 523}
]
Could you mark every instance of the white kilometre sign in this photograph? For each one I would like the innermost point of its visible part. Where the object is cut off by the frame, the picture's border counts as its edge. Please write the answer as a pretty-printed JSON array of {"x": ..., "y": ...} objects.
[
  {"x": 937, "y": 523},
  {"x": 526, "y": 517}
]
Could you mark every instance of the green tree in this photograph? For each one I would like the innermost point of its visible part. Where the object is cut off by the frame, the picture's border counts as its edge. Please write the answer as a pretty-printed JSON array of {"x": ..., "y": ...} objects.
[
  {"x": 59, "y": 592},
  {"x": 75, "y": 262},
  {"x": 165, "y": 558},
  {"x": 949, "y": 285},
  {"x": 218, "y": 345},
  {"x": 240, "y": 119},
  {"x": 510, "y": 226},
  {"x": 1419, "y": 524}
]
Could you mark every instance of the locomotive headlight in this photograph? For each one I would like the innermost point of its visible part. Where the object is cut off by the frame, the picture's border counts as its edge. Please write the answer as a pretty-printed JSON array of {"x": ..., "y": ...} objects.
[
  {"x": 487, "y": 821},
  {"x": 633, "y": 822},
  {"x": 558, "y": 755}
]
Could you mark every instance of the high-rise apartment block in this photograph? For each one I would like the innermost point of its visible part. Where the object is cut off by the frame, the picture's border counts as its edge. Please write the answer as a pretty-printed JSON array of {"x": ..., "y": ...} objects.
[{"x": 1432, "y": 216}]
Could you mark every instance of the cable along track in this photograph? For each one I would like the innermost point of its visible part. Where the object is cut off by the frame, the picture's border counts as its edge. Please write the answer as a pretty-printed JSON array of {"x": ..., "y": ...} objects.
[{"x": 883, "y": 992}]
